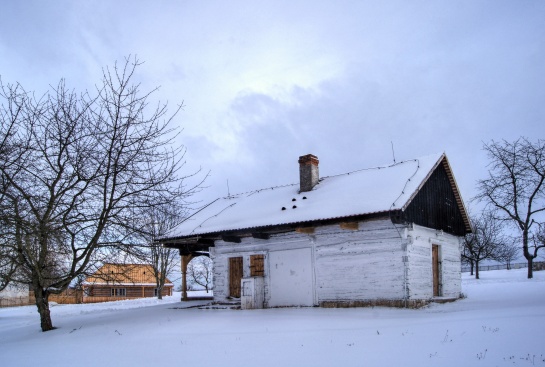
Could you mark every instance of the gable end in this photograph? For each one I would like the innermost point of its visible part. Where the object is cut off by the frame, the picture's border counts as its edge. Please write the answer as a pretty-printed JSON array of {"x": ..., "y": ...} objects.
[{"x": 438, "y": 204}]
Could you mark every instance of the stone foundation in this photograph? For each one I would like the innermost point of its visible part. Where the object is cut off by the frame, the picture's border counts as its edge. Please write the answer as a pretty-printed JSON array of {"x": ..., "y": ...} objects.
[{"x": 399, "y": 303}]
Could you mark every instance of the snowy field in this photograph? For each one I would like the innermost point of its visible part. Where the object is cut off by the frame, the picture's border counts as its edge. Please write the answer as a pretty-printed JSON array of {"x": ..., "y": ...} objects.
[{"x": 500, "y": 323}]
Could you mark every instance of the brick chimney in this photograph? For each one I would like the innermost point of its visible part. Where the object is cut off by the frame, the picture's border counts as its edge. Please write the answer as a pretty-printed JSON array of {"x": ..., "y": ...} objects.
[{"x": 308, "y": 172}]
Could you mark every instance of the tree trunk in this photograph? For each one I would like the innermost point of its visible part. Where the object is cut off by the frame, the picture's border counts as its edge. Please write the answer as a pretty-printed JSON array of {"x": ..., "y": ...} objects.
[
  {"x": 476, "y": 270},
  {"x": 471, "y": 266},
  {"x": 530, "y": 267},
  {"x": 160, "y": 291},
  {"x": 42, "y": 302},
  {"x": 527, "y": 254}
]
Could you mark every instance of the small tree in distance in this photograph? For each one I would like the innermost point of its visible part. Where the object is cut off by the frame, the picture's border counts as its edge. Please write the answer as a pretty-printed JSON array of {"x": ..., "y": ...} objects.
[
  {"x": 159, "y": 219},
  {"x": 483, "y": 243},
  {"x": 508, "y": 251},
  {"x": 200, "y": 272}
]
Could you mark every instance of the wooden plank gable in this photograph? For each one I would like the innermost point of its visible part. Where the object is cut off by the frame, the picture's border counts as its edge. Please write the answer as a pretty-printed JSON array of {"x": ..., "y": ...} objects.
[{"x": 437, "y": 204}]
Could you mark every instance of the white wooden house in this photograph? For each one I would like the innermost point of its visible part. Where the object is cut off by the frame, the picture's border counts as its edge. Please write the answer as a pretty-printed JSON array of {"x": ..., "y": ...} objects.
[{"x": 382, "y": 236}]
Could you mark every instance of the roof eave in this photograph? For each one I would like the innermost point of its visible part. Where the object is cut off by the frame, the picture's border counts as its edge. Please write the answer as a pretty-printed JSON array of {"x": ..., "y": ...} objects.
[{"x": 273, "y": 228}]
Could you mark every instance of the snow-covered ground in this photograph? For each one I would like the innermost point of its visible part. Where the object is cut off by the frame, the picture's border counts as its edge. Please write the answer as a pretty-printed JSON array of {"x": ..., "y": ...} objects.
[{"x": 500, "y": 323}]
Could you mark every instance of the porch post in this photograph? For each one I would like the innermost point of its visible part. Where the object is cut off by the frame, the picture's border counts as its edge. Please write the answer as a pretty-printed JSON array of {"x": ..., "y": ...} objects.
[{"x": 185, "y": 260}]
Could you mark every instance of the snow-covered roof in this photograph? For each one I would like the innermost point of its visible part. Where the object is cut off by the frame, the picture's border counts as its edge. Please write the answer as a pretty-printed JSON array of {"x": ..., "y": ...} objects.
[{"x": 360, "y": 192}]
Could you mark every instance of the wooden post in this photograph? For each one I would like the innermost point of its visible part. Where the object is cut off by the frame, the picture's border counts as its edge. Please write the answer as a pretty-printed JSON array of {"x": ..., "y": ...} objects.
[{"x": 185, "y": 260}]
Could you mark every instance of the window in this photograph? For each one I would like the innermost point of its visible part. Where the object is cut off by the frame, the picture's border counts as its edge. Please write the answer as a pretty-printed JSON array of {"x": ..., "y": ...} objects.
[
  {"x": 119, "y": 292},
  {"x": 257, "y": 268},
  {"x": 155, "y": 292}
]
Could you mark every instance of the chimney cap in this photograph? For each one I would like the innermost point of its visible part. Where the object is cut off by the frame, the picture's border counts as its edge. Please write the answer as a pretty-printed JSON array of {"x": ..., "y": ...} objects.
[{"x": 309, "y": 159}]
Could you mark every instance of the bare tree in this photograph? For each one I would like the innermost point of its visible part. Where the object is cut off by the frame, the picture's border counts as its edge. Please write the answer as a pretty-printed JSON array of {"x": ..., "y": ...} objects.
[
  {"x": 200, "y": 272},
  {"x": 75, "y": 168},
  {"x": 483, "y": 243},
  {"x": 508, "y": 251},
  {"x": 516, "y": 187},
  {"x": 8, "y": 263},
  {"x": 161, "y": 219},
  {"x": 467, "y": 258},
  {"x": 8, "y": 266}
]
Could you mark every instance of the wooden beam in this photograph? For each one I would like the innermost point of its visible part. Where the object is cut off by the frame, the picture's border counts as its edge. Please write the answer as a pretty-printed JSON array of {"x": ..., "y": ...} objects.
[
  {"x": 234, "y": 239},
  {"x": 261, "y": 235},
  {"x": 353, "y": 226},
  {"x": 305, "y": 230},
  {"x": 206, "y": 241}
]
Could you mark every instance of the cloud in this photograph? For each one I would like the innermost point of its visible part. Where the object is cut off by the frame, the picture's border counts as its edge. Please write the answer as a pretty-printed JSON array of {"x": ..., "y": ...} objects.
[{"x": 264, "y": 82}]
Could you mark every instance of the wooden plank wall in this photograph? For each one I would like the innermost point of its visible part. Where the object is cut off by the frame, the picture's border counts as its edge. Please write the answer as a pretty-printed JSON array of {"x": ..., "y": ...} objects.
[{"x": 436, "y": 205}]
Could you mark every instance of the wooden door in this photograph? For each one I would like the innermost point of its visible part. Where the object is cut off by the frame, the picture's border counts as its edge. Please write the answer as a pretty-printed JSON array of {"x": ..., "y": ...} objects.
[
  {"x": 435, "y": 269},
  {"x": 235, "y": 276}
]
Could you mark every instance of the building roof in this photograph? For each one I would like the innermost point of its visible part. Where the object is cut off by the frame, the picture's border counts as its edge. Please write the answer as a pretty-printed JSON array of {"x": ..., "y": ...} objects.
[
  {"x": 124, "y": 274},
  {"x": 362, "y": 192}
]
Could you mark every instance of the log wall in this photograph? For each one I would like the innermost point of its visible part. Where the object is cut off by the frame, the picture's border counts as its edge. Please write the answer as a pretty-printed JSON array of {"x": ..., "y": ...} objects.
[
  {"x": 420, "y": 241},
  {"x": 373, "y": 261}
]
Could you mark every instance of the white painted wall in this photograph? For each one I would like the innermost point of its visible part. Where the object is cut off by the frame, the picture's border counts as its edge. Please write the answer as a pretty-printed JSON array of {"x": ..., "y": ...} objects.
[
  {"x": 359, "y": 265},
  {"x": 420, "y": 276},
  {"x": 250, "y": 246},
  {"x": 377, "y": 261}
]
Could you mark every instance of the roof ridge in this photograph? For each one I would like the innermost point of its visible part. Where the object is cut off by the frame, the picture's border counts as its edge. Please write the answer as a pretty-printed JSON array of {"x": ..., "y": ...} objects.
[
  {"x": 256, "y": 191},
  {"x": 251, "y": 192},
  {"x": 372, "y": 168}
]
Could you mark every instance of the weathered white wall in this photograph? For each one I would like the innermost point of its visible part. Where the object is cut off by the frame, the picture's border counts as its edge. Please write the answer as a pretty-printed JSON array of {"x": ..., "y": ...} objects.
[
  {"x": 377, "y": 261},
  {"x": 361, "y": 264},
  {"x": 251, "y": 246},
  {"x": 420, "y": 278}
]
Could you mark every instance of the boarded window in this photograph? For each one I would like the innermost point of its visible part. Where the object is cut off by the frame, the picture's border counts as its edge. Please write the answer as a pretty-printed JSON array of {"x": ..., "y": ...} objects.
[
  {"x": 235, "y": 276},
  {"x": 257, "y": 268}
]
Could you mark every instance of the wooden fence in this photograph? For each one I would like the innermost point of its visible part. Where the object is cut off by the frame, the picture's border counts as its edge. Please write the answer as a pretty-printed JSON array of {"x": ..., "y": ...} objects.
[
  {"x": 15, "y": 301},
  {"x": 106, "y": 299},
  {"x": 537, "y": 266},
  {"x": 69, "y": 296}
]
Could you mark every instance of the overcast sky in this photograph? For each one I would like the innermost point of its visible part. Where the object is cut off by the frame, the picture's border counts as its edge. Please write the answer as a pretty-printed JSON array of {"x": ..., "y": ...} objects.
[{"x": 264, "y": 82}]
